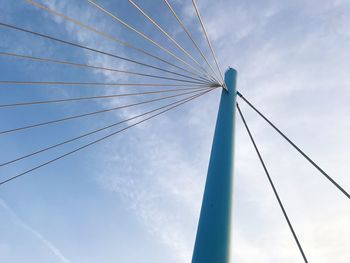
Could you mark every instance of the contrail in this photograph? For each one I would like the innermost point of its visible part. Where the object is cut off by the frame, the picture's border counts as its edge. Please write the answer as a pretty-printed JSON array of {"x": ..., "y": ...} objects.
[{"x": 34, "y": 232}]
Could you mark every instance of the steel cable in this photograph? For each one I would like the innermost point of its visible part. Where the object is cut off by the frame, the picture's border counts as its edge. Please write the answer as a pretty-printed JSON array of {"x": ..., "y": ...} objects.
[
  {"x": 72, "y": 83},
  {"x": 161, "y": 29},
  {"x": 86, "y": 134},
  {"x": 295, "y": 146},
  {"x": 208, "y": 40},
  {"x": 191, "y": 38},
  {"x": 147, "y": 38},
  {"x": 96, "y": 51},
  {"x": 63, "y": 62},
  {"x": 112, "y": 38},
  {"x": 92, "y": 113},
  {"x": 29, "y": 103},
  {"x": 99, "y": 140},
  {"x": 272, "y": 185}
]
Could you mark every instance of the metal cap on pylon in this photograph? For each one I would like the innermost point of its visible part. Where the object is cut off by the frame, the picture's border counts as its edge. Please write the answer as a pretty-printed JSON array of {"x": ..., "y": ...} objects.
[{"x": 230, "y": 76}]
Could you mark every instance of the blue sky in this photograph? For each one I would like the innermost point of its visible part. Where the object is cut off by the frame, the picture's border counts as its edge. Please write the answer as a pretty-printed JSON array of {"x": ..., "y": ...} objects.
[{"x": 136, "y": 197}]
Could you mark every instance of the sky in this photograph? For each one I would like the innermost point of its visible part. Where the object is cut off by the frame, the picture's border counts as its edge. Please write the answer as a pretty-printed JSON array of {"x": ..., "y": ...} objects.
[{"x": 136, "y": 197}]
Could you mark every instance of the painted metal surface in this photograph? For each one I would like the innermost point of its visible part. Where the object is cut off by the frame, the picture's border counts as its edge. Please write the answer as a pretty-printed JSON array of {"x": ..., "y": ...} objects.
[{"x": 213, "y": 235}]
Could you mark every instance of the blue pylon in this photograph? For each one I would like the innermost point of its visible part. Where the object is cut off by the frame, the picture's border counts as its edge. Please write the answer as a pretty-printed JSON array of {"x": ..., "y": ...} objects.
[{"x": 214, "y": 228}]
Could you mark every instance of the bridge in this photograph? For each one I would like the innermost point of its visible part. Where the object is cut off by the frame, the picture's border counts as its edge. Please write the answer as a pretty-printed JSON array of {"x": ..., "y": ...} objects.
[{"x": 161, "y": 79}]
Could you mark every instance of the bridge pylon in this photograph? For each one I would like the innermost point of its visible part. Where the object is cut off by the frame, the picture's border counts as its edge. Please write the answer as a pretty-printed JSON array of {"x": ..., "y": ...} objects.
[{"x": 214, "y": 228}]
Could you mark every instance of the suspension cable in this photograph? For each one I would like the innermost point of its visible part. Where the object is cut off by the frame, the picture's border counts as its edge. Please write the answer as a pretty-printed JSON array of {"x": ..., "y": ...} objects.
[
  {"x": 208, "y": 40},
  {"x": 66, "y": 83},
  {"x": 161, "y": 29},
  {"x": 94, "y": 50},
  {"x": 272, "y": 184},
  {"x": 17, "y": 104},
  {"x": 191, "y": 38},
  {"x": 105, "y": 35},
  {"x": 63, "y": 62},
  {"x": 147, "y": 38},
  {"x": 93, "y": 113},
  {"x": 101, "y": 139},
  {"x": 295, "y": 146},
  {"x": 88, "y": 134}
]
